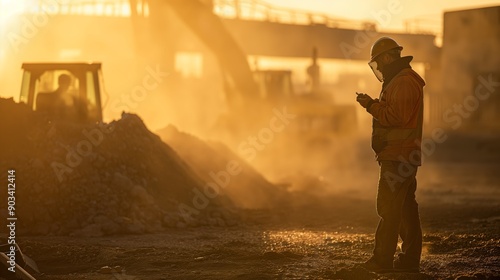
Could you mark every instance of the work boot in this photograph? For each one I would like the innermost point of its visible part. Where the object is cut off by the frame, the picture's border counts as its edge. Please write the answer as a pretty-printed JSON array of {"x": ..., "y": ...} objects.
[
  {"x": 376, "y": 266},
  {"x": 402, "y": 264}
]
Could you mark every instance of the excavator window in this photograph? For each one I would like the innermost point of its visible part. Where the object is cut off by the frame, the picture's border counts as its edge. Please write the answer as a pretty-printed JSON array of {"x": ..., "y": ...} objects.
[
  {"x": 56, "y": 93},
  {"x": 90, "y": 89},
  {"x": 91, "y": 102},
  {"x": 25, "y": 87},
  {"x": 63, "y": 91}
]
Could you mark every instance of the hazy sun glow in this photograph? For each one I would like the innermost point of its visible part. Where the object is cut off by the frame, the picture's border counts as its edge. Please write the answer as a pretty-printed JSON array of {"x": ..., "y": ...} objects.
[
  {"x": 426, "y": 15},
  {"x": 10, "y": 8}
]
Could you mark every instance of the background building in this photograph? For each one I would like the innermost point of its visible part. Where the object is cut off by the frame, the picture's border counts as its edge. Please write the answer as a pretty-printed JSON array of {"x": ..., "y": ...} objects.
[{"x": 470, "y": 56}]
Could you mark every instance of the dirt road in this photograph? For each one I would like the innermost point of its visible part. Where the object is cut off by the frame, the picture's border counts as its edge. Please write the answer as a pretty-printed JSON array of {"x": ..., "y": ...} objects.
[{"x": 320, "y": 241}]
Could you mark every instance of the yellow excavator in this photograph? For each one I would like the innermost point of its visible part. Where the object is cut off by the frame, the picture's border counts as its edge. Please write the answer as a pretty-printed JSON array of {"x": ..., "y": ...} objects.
[{"x": 316, "y": 111}]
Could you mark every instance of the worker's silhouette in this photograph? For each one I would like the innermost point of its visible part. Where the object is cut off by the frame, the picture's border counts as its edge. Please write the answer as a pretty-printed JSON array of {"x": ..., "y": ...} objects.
[
  {"x": 313, "y": 73},
  {"x": 396, "y": 140},
  {"x": 57, "y": 104}
]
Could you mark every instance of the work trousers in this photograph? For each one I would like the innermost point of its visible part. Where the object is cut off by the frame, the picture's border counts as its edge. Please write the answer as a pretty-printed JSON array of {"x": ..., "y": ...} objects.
[{"x": 398, "y": 211}]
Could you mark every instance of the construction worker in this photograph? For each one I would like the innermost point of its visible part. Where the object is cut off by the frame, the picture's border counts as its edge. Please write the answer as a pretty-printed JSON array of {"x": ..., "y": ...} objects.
[
  {"x": 57, "y": 104},
  {"x": 396, "y": 137},
  {"x": 313, "y": 72}
]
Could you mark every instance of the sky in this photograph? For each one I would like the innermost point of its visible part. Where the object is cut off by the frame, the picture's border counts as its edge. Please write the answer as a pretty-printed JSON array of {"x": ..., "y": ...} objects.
[{"x": 428, "y": 12}]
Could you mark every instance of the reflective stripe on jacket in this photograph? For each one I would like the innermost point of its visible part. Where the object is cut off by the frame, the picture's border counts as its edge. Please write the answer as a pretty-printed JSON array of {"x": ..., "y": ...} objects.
[{"x": 398, "y": 118}]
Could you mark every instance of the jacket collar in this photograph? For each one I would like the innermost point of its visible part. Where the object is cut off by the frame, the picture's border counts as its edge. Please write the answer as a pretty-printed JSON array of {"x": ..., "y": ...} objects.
[{"x": 392, "y": 69}]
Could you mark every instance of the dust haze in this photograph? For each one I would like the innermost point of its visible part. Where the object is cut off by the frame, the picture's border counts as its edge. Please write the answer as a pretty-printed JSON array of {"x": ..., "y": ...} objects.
[{"x": 237, "y": 127}]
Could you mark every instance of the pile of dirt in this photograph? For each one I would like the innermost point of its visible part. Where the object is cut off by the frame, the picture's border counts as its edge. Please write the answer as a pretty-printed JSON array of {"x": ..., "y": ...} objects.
[
  {"x": 221, "y": 167},
  {"x": 99, "y": 179}
]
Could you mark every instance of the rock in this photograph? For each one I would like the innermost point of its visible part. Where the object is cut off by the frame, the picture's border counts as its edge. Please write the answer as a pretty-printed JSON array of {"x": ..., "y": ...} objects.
[
  {"x": 169, "y": 221},
  {"x": 109, "y": 227},
  {"x": 216, "y": 214},
  {"x": 121, "y": 181},
  {"x": 125, "y": 205},
  {"x": 123, "y": 220},
  {"x": 181, "y": 225},
  {"x": 141, "y": 195},
  {"x": 154, "y": 227},
  {"x": 220, "y": 222},
  {"x": 231, "y": 223},
  {"x": 105, "y": 270},
  {"x": 54, "y": 229},
  {"x": 136, "y": 228},
  {"x": 212, "y": 222}
]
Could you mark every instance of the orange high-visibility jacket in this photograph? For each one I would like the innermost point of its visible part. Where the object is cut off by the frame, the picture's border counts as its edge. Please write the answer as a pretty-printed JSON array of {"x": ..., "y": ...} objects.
[{"x": 398, "y": 118}]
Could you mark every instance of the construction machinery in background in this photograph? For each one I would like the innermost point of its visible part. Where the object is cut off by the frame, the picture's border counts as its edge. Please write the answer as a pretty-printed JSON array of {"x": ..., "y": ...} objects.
[
  {"x": 315, "y": 109},
  {"x": 63, "y": 91},
  {"x": 72, "y": 91},
  {"x": 251, "y": 95}
]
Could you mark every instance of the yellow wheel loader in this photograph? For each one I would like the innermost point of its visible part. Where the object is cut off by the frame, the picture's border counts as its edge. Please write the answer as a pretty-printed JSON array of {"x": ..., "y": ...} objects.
[{"x": 63, "y": 91}]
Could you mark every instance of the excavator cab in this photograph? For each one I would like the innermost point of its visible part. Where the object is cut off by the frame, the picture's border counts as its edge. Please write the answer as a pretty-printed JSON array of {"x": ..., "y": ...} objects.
[
  {"x": 274, "y": 84},
  {"x": 317, "y": 115},
  {"x": 63, "y": 91}
]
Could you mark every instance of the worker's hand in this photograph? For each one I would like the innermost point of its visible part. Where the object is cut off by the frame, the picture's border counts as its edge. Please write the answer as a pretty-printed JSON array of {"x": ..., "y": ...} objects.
[{"x": 365, "y": 100}]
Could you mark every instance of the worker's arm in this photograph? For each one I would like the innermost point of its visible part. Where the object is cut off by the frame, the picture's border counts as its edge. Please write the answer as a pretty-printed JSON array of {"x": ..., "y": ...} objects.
[{"x": 399, "y": 105}]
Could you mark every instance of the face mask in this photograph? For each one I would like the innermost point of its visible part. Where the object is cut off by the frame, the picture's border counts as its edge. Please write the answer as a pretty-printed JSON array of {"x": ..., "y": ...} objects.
[{"x": 378, "y": 74}]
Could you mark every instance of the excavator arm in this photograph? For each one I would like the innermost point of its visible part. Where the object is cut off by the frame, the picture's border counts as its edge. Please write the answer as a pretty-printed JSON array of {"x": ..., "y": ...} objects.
[{"x": 208, "y": 27}]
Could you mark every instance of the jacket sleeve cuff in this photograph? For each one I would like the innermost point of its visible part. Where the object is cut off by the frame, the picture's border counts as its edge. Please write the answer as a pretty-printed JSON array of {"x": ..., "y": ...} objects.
[{"x": 370, "y": 103}]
